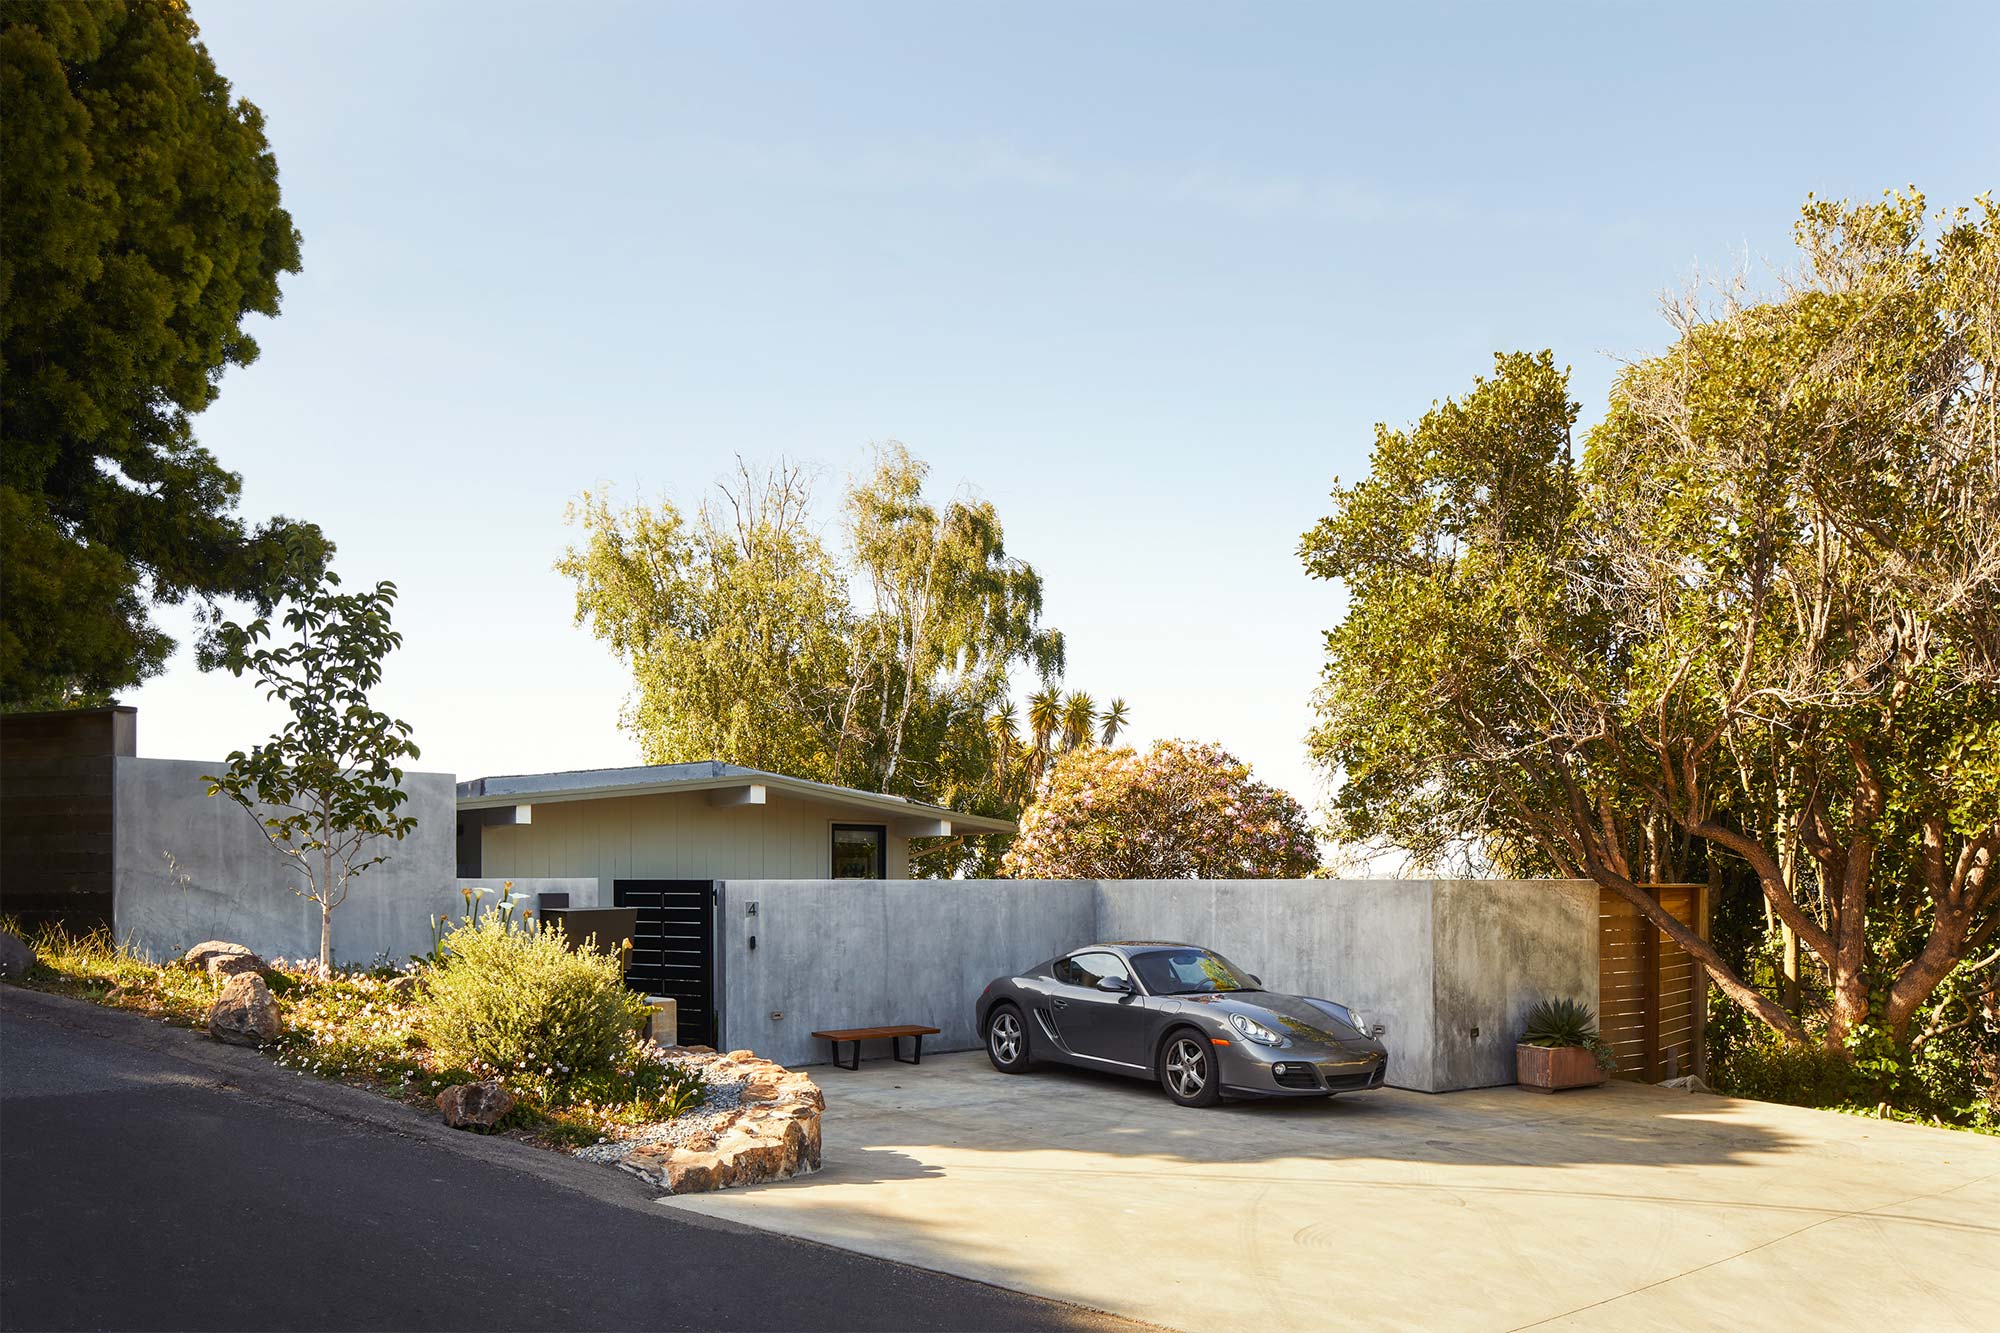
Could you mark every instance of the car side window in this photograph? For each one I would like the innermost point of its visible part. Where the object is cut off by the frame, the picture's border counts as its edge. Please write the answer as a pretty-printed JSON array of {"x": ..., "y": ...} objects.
[{"x": 1087, "y": 969}]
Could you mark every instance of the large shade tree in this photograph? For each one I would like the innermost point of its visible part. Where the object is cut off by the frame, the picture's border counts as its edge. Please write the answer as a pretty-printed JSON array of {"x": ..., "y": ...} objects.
[
  {"x": 140, "y": 225},
  {"x": 883, "y": 662},
  {"x": 1758, "y": 624}
]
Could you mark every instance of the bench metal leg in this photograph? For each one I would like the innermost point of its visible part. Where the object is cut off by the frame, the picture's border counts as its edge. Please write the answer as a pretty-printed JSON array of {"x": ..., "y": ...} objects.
[
  {"x": 896, "y": 1049},
  {"x": 838, "y": 1062}
]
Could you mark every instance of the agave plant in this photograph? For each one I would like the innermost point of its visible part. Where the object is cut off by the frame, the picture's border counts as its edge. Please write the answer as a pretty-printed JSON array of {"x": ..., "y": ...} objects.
[{"x": 1562, "y": 1023}]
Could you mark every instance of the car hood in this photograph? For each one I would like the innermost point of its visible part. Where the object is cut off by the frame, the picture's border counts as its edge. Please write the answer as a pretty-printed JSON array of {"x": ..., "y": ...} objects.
[{"x": 1294, "y": 1016}]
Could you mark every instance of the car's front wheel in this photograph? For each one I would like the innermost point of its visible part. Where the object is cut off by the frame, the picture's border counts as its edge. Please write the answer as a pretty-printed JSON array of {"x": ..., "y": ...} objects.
[
  {"x": 1007, "y": 1040},
  {"x": 1188, "y": 1070}
]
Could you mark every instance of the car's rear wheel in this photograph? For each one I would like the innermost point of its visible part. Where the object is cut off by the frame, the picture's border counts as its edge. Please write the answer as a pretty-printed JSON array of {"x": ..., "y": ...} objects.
[
  {"x": 1007, "y": 1040},
  {"x": 1188, "y": 1070}
]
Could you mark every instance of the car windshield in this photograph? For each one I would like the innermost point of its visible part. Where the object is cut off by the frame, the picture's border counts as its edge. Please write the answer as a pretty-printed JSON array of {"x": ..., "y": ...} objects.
[{"x": 1188, "y": 972}]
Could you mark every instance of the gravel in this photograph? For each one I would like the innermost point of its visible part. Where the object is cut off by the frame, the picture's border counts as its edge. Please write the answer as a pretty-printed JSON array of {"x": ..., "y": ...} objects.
[{"x": 722, "y": 1099}]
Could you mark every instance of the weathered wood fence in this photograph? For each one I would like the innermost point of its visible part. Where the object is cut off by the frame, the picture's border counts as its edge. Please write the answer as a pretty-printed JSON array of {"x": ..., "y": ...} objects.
[{"x": 1651, "y": 995}]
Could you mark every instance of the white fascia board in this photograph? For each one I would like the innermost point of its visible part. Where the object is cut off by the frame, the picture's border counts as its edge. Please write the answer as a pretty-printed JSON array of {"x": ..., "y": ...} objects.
[{"x": 890, "y": 806}]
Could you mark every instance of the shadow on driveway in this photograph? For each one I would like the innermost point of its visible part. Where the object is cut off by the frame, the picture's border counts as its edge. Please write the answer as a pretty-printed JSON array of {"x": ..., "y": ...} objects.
[{"x": 1498, "y": 1208}]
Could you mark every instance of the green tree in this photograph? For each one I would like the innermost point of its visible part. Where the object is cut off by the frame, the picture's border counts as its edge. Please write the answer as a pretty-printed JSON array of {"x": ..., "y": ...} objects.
[
  {"x": 750, "y": 641},
  {"x": 327, "y": 788},
  {"x": 952, "y": 611},
  {"x": 1113, "y": 721},
  {"x": 1179, "y": 811},
  {"x": 735, "y": 624},
  {"x": 1079, "y": 719},
  {"x": 141, "y": 219},
  {"x": 1760, "y": 625}
]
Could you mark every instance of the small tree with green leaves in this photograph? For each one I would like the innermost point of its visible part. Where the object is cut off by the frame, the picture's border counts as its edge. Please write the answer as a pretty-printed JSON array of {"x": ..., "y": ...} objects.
[{"x": 327, "y": 788}]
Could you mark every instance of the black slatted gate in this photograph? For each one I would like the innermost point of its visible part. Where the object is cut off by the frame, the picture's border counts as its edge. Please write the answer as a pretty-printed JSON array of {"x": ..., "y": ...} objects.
[{"x": 673, "y": 948}]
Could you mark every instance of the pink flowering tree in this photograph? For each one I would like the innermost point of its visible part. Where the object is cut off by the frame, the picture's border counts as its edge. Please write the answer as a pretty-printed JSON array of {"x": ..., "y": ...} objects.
[{"x": 1179, "y": 811}]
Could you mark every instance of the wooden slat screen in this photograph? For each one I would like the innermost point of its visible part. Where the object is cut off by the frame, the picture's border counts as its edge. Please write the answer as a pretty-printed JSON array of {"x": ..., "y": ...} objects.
[{"x": 1649, "y": 990}]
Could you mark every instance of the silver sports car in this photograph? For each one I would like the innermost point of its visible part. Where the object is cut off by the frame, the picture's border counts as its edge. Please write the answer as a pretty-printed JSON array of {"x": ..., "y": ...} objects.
[{"x": 1182, "y": 1014}]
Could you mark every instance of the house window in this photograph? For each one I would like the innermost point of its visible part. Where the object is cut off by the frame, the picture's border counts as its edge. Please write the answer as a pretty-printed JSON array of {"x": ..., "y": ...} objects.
[{"x": 860, "y": 851}]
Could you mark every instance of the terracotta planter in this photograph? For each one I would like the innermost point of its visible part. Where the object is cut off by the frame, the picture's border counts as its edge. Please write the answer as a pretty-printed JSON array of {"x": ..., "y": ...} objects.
[{"x": 1548, "y": 1068}]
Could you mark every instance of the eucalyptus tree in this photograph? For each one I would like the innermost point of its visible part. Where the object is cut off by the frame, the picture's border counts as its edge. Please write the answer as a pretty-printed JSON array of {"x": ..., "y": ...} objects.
[
  {"x": 1760, "y": 620},
  {"x": 952, "y": 611},
  {"x": 326, "y": 789},
  {"x": 877, "y": 662},
  {"x": 734, "y": 623}
]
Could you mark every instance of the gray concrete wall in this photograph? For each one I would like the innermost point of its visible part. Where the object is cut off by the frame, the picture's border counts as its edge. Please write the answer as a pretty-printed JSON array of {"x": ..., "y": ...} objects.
[
  {"x": 1429, "y": 960},
  {"x": 1499, "y": 947},
  {"x": 1365, "y": 943},
  {"x": 225, "y": 882},
  {"x": 858, "y": 952}
]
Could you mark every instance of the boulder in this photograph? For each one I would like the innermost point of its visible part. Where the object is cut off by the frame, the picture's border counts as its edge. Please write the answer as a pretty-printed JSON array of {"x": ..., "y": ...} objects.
[
  {"x": 15, "y": 957},
  {"x": 244, "y": 1014},
  {"x": 220, "y": 958},
  {"x": 475, "y": 1105},
  {"x": 405, "y": 987}
]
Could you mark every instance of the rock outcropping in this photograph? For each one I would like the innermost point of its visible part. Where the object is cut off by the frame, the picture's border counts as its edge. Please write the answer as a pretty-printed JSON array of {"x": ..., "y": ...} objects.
[
  {"x": 772, "y": 1135},
  {"x": 244, "y": 1014},
  {"x": 15, "y": 957},
  {"x": 220, "y": 958},
  {"x": 475, "y": 1105}
]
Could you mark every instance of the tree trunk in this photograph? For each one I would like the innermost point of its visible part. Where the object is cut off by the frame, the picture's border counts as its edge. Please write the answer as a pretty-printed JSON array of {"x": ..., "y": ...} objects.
[
  {"x": 326, "y": 915},
  {"x": 1789, "y": 990}
]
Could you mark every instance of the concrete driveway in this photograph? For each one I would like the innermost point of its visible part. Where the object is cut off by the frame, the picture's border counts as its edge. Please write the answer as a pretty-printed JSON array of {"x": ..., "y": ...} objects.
[{"x": 1498, "y": 1209}]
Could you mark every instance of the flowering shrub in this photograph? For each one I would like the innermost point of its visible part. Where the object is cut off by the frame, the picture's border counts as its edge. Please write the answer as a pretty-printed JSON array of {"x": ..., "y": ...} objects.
[
  {"x": 349, "y": 1025},
  {"x": 1180, "y": 811},
  {"x": 523, "y": 1005}
]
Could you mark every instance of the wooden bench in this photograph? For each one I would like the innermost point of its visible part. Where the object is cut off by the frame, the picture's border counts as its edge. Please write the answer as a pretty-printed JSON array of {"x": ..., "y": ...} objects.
[{"x": 895, "y": 1032}]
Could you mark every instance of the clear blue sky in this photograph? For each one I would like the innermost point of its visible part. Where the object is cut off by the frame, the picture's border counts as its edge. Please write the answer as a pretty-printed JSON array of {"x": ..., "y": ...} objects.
[{"x": 1143, "y": 275}]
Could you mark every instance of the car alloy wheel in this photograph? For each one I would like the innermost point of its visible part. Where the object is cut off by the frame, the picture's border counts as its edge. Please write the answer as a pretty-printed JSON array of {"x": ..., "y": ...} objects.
[
  {"x": 1188, "y": 1073},
  {"x": 1007, "y": 1041}
]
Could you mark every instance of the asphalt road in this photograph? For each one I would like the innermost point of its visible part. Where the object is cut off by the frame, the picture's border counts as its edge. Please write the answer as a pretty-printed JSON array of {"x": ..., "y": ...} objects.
[{"x": 148, "y": 1183}]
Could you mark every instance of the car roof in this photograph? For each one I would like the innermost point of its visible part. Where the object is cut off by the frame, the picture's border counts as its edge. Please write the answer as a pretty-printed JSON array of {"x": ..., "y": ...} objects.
[{"x": 1143, "y": 944}]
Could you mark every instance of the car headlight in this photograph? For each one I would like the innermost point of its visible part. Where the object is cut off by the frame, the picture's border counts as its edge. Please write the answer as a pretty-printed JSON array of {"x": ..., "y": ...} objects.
[
  {"x": 1354, "y": 1018},
  {"x": 1252, "y": 1030}
]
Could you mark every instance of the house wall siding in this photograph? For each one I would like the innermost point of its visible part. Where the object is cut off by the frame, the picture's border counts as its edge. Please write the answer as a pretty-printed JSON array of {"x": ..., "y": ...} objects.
[{"x": 673, "y": 836}]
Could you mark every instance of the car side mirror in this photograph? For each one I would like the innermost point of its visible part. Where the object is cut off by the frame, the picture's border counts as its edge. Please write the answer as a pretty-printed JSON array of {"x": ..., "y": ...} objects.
[{"x": 1115, "y": 985}]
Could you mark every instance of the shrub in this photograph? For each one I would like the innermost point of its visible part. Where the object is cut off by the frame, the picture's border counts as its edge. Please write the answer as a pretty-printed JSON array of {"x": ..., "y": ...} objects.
[
  {"x": 1775, "y": 1070},
  {"x": 522, "y": 1002}
]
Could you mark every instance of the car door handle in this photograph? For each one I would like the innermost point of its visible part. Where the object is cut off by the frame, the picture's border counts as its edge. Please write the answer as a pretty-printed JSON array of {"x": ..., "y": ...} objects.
[{"x": 1059, "y": 1004}]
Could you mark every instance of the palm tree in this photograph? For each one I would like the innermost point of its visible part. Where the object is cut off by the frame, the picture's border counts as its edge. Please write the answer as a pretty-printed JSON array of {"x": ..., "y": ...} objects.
[
  {"x": 1114, "y": 718},
  {"x": 1044, "y": 719},
  {"x": 1045, "y": 716},
  {"x": 1079, "y": 718},
  {"x": 1003, "y": 731}
]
